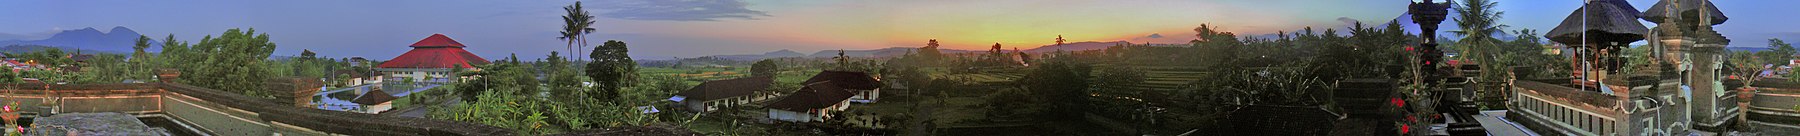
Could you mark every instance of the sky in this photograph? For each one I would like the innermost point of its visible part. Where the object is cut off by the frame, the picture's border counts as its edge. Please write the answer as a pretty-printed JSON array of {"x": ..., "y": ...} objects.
[{"x": 656, "y": 29}]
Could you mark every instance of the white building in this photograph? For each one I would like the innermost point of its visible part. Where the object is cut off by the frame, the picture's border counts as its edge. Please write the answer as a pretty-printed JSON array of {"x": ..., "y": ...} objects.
[
  {"x": 814, "y": 102},
  {"x": 431, "y": 60}
]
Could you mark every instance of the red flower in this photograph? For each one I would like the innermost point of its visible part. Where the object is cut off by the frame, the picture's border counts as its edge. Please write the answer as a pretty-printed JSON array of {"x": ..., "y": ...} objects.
[
  {"x": 1410, "y": 118},
  {"x": 1409, "y": 48},
  {"x": 1405, "y": 129},
  {"x": 1397, "y": 102}
]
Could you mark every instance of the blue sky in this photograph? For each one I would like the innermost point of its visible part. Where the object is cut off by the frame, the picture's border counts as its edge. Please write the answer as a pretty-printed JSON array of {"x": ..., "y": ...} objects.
[{"x": 691, "y": 28}]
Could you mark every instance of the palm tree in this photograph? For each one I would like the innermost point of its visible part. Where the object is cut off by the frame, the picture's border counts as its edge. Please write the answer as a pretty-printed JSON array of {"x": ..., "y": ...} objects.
[
  {"x": 576, "y": 25},
  {"x": 569, "y": 36},
  {"x": 1479, "y": 21}
]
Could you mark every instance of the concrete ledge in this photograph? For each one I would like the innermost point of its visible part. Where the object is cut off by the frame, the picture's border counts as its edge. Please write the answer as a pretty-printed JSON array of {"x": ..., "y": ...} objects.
[{"x": 335, "y": 122}]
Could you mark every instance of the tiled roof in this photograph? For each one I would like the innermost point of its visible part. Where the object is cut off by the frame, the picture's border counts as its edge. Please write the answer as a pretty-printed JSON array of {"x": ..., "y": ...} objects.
[
  {"x": 374, "y": 97},
  {"x": 720, "y": 89},
  {"x": 813, "y": 96},
  {"x": 437, "y": 40},
  {"x": 437, "y": 51},
  {"x": 846, "y": 79},
  {"x": 352, "y": 73}
]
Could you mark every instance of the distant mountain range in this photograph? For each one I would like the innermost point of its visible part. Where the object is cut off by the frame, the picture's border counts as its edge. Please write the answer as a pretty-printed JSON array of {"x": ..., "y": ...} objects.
[
  {"x": 897, "y": 51},
  {"x": 1751, "y": 49},
  {"x": 30, "y": 48},
  {"x": 116, "y": 40},
  {"x": 774, "y": 54}
]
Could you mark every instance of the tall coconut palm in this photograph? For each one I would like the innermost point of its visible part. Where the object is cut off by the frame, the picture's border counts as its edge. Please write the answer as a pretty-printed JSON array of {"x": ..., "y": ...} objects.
[
  {"x": 1479, "y": 21},
  {"x": 569, "y": 36},
  {"x": 576, "y": 25}
]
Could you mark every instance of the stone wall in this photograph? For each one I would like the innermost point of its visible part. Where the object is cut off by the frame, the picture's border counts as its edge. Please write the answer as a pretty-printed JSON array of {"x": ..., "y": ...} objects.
[
  {"x": 226, "y": 113},
  {"x": 1772, "y": 108},
  {"x": 34, "y": 99}
]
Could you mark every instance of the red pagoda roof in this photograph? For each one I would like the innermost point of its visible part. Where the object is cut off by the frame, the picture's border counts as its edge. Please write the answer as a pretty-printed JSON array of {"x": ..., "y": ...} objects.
[
  {"x": 437, "y": 40},
  {"x": 437, "y": 51}
]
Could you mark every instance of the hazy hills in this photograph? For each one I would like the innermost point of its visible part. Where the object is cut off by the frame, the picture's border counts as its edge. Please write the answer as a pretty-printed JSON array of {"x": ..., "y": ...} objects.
[{"x": 116, "y": 40}]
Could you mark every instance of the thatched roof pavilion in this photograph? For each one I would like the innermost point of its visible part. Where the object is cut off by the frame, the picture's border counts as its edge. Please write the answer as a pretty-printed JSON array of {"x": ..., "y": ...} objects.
[{"x": 1602, "y": 21}]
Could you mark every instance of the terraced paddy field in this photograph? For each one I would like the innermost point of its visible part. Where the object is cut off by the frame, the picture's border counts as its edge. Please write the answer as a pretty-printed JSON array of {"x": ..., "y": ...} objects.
[
  {"x": 982, "y": 78},
  {"x": 1162, "y": 81},
  {"x": 695, "y": 75}
]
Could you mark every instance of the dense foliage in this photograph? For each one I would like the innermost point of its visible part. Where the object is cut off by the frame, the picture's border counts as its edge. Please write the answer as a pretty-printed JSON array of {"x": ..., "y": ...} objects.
[
  {"x": 764, "y": 68},
  {"x": 611, "y": 69}
]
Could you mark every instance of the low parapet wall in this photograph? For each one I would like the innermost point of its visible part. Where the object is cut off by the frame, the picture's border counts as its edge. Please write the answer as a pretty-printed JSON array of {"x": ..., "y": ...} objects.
[
  {"x": 1775, "y": 107},
  {"x": 33, "y": 99},
  {"x": 1552, "y": 109},
  {"x": 225, "y": 113},
  {"x": 333, "y": 122}
]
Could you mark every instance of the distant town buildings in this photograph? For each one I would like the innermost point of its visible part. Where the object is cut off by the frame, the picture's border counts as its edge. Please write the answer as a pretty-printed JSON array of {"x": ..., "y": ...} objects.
[
  {"x": 358, "y": 61},
  {"x": 17, "y": 65},
  {"x": 431, "y": 60},
  {"x": 354, "y": 78}
]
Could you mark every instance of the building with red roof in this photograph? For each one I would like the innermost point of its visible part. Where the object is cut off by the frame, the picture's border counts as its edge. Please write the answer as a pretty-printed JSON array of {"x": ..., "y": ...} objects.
[{"x": 431, "y": 59}]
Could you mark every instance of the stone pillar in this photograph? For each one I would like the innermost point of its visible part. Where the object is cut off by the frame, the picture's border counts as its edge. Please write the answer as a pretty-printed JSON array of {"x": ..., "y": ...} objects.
[
  {"x": 167, "y": 75},
  {"x": 297, "y": 91},
  {"x": 1713, "y": 104}
]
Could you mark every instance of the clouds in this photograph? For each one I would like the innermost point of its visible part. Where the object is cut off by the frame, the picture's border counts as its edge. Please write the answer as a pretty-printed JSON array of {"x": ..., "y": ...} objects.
[{"x": 677, "y": 10}]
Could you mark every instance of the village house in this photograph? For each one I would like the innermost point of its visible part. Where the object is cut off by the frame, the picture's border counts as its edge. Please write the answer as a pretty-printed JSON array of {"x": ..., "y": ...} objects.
[
  {"x": 21, "y": 66},
  {"x": 358, "y": 61},
  {"x": 431, "y": 60},
  {"x": 814, "y": 102},
  {"x": 353, "y": 78},
  {"x": 866, "y": 88},
  {"x": 375, "y": 101},
  {"x": 716, "y": 94}
]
